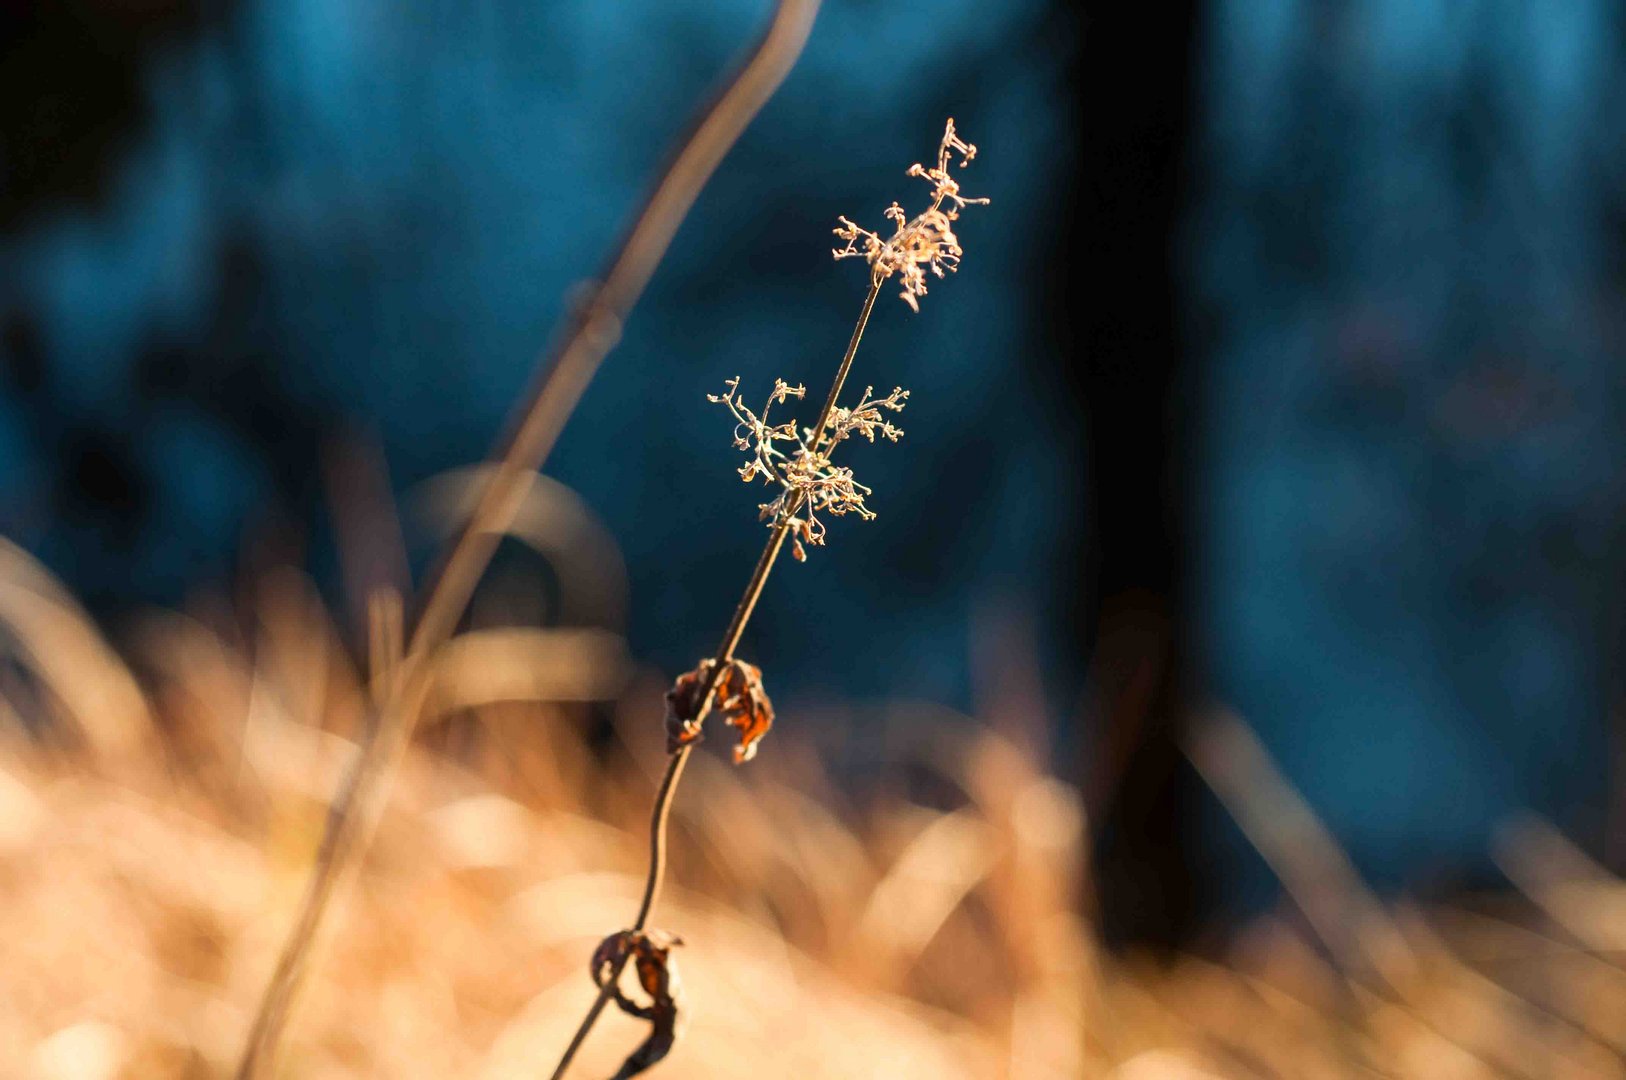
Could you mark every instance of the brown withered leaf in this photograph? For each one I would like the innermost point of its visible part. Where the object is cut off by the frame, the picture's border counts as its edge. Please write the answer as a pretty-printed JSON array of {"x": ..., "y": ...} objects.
[
  {"x": 745, "y": 705},
  {"x": 650, "y": 952},
  {"x": 737, "y": 694},
  {"x": 683, "y": 719}
]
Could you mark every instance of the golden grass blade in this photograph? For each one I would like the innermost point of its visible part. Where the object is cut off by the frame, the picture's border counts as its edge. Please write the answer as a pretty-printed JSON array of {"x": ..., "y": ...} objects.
[
  {"x": 526, "y": 663},
  {"x": 1485, "y": 1025},
  {"x": 57, "y": 640},
  {"x": 1577, "y": 893},
  {"x": 928, "y": 881},
  {"x": 1298, "y": 847}
]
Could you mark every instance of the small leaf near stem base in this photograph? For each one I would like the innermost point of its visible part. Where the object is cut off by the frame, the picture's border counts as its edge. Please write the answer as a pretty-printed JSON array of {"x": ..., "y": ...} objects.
[{"x": 650, "y": 952}]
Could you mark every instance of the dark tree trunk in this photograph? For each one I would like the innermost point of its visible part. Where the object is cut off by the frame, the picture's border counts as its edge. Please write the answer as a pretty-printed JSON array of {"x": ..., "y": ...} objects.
[{"x": 1132, "y": 381}]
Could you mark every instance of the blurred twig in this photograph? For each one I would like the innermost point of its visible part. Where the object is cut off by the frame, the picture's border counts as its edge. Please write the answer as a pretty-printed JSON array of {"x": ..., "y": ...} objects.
[{"x": 594, "y": 330}]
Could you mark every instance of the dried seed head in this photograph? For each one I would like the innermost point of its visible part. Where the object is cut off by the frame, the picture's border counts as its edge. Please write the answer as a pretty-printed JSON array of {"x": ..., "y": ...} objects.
[
  {"x": 809, "y": 483},
  {"x": 924, "y": 243}
]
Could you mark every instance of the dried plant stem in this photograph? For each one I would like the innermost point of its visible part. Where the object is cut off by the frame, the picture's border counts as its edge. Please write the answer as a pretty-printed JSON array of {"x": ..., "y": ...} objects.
[
  {"x": 570, "y": 367},
  {"x": 652, "y": 890},
  {"x": 725, "y": 652}
]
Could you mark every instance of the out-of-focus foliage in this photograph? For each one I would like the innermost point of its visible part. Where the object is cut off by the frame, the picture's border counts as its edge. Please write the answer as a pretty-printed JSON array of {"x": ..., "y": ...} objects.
[
  {"x": 1409, "y": 259},
  {"x": 155, "y": 836}
]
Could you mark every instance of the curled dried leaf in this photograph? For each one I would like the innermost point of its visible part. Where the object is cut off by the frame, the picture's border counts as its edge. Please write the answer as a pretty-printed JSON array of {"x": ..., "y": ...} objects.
[
  {"x": 737, "y": 693},
  {"x": 650, "y": 952},
  {"x": 745, "y": 705},
  {"x": 683, "y": 713}
]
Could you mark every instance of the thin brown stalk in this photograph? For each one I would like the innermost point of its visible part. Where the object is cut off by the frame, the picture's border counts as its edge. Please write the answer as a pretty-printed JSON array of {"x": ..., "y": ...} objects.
[
  {"x": 569, "y": 368},
  {"x": 725, "y": 652}
]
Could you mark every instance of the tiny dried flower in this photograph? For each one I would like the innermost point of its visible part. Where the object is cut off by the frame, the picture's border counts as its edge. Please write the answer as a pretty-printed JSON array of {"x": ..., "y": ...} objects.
[
  {"x": 926, "y": 242},
  {"x": 808, "y": 482}
]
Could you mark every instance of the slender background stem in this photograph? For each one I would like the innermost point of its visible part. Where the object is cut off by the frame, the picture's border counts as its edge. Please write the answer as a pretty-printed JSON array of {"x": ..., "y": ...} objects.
[
  {"x": 725, "y": 652},
  {"x": 570, "y": 366}
]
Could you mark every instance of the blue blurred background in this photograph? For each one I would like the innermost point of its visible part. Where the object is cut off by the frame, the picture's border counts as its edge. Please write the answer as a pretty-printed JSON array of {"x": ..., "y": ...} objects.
[{"x": 1280, "y": 372}]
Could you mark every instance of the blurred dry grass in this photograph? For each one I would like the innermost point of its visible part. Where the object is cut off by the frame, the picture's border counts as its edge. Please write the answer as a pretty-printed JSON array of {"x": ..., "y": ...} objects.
[{"x": 156, "y": 829}]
